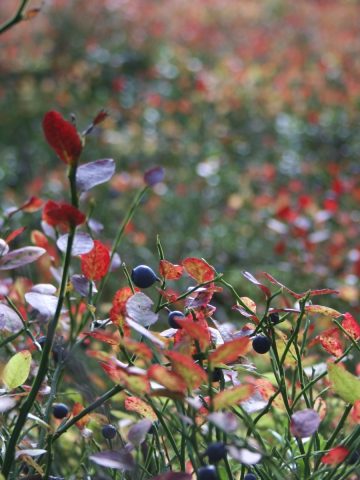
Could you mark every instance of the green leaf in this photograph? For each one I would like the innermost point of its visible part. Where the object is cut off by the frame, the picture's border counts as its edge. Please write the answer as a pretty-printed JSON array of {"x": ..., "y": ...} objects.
[
  {"x": 17, "y": 369},
  {"x": 346, "y": 385}
]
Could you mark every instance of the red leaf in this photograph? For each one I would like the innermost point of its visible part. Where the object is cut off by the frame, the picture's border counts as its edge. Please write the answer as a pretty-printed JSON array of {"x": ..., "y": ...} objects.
[
  {"x": 137, "y": 384},
  {"x": 351, "y": 326},
  {"x": 196, "y": 330},
  {"x": 190, "y": 371},
  {"x": 232, "y": 396},
  {"x": 230, "y": 351},
  {"x": 198, "y": 269},
  {"x": 105, "y": 337},
  {"x": 95, "y": 264},
  {"x": 78, "y": 408},
  {"x": 100, "y": 117},
  {"x": 324, "y": 291},
  {"x": 135, "y": 404},
  {"x": 63, "y": 137},
  {"x": 139, "y": 349},
  {"x": 14, "y": 234},
  {"x": 171, "y": 380},
  {"x": 335, "y": 456},
  {"x": 170, "y": 271},
  {"x": 330, "y": 341},
  {"x": 355, "y": 412},
  {"x": 32, "y": 205},
  {"x": 256, "y": 282},
  {"x": 62, "y": 214}
]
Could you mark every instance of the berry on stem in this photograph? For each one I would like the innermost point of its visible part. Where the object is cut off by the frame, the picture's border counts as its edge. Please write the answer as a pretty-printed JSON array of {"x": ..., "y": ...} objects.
[
  {"x": 207, "y": 473},
  {"x": 108, "y": 431},
  {"x": 250, "y": 476},
  {"x": 143, "y": 276},
  {"x": 261, "y": 344},
  {"x": 60, "y": 410},
  {"x": 216, "y": 451},
  {"x": 274, "y": 318},
  {"x": 172, "y": 318}
]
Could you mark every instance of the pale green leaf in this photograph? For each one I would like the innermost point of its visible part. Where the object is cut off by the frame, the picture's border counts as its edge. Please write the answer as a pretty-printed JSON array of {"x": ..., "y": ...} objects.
[
  {"x": 17, "y": 369},
  {"x": 346, "y": 385}
]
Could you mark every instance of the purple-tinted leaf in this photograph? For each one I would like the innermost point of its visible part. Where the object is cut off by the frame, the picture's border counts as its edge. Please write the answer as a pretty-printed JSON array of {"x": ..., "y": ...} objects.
[
  {"x": 139, "y": 309},
  {"x": 94, "y": 173},
  {"x": 44, "y": 288},
  {"x": 154, "y": 175},
  {"x": 20, "y": 257},
  {"x": 9, "y": 320},
  {"x": 115, "y": 262},
  {"x": 256, "y": 282},
  {"x": 144, "y": 331},
  {"x": 119, "y": 460},
  {"x": 6, "y": 403},
  {"x": 44, "y": 304},
  {"x": 226, "y": 421},
  {"x": 83, "y": 243},
  {"x": 173, "y": 476},
  {"x": 4, "y": 247},
  {"x": 48, "y": 230},
  {"x": 30, "y": 452},
  {"x": 244, "y": 455},
  {"x": 138, "y": 432},
  {"x": 304, "y": 423},
  {"x": 95, "y": 226},
  {"x": 81, "y": 285}
]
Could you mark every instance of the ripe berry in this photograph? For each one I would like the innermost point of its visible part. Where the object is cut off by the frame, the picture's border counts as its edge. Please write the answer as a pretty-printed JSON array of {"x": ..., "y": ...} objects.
[
  {"x": 109, "y": 432},
  {"x": 274, "y": 318},
  {"x": 207, "y": 473},
  {"x": 143, "y": 276},
  {"x": 216, "y": 375},
  {"x": 250, "y": 476},
  {"x": 172, "y": 318},
  {"x": 261, "y": 344},
  {"x": 60, "y": 410},
  {"x": 216, "y": 451}
]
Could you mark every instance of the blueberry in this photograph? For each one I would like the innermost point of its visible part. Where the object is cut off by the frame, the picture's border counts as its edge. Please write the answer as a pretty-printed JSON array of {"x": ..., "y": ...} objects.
[
  {"x": 274, "y": 318},
  {"x": 250, "y": 476},
  {"x": 172, "y": 318},
  {"x": 41, "y": 341},
  {"x": 261, "y": 344},
  {"x": 216, "y": 451},
  {"x": 60, "y": 410},
  {"x": 143, "y": 276},
  {"x": 216, "y": 375},
  {"x": 207, "y": 473},
  {"x": 109, "y": 432}
]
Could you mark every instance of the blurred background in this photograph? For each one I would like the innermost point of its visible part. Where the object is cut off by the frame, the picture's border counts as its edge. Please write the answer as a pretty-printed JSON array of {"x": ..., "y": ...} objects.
[{"x": 252, "y": 108}]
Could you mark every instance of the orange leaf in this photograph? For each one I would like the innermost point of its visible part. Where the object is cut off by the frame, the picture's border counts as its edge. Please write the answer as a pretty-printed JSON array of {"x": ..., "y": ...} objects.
[
  {"x": 335, "y": 456},
  {"x": 14, "y": 234},
  {"x": 351, "y": 326},
  {"x": 326, "y": 311},
  {"x": 198, "y": 269},
  {"x": 171, "y": 380},
  {"x": 330, "y": 341},
  {"x": 196, "y": 330},
  {"x": 78, "y": 408},
  {"x": 95, "y": 264},
  {"x": 170, "y": 271},
  {"x": 190, "y": 371},
  {"x": 230, "y": 351},
  {"x": 135, "y": 404},
  {"x": 137, "y": 384},
  {"x": 105, "y": 337},
  {"x": 232, "y": 396}
]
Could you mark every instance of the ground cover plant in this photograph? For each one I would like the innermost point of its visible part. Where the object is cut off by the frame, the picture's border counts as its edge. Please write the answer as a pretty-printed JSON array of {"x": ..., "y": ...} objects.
[
  {"x": 174, "y": 367},
  {"x": 254, "y": 398}
]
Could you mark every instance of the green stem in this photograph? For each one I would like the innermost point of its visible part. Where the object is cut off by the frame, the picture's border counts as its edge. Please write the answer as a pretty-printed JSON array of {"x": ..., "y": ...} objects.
[{"x": 18, "y": 17}]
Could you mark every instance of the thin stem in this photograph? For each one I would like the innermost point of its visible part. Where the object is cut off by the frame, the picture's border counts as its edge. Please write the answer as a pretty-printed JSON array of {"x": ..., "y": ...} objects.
[{"x": 18, "y": 17}]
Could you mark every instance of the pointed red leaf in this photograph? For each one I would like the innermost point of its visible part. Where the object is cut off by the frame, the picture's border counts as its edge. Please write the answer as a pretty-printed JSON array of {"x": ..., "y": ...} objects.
[
  {"x": 14, "y": 234},
  {"x": 135, "y": 404},
  {"x": 351, "y": 326},
  {"x": 256, "y": 282},
  {"x": 229, "y": 351},
  {"x": 335, "y": 456},
  {"x": 61, "y": 214},
  {"x": 198, "y": 331},
  {"x": 185, "y": 366},
  {"x": 78, "y": 408},
  {"x": 95, "y": 264},
  {"x": 106, "y": 337},
  {"x": 198, "y": 269},
  {"x": 63, "y": 137},
  {"x": 355, "y": 412},
  {"x": 170, "y": 380},
  {"x": 169, "y": 271},
  {"x": 232, "y": 396}
]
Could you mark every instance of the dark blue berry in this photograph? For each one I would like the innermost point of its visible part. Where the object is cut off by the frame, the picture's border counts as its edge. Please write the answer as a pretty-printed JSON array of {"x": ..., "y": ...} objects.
[
  {"x": 143, "y": 276},
  {"x": 261, "y": 344},
  {"x": 216, "y": 451},
  {"x": 207, "y": 473},
  {"x": 172, "y": 318},
  {"x": 109, "y": 432},
  {"x": 60, "y": 410},
  {"x": 216, "y": 375},
  {"x": 250, "y": 476},
  {"x": 274, "y": 318}
]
